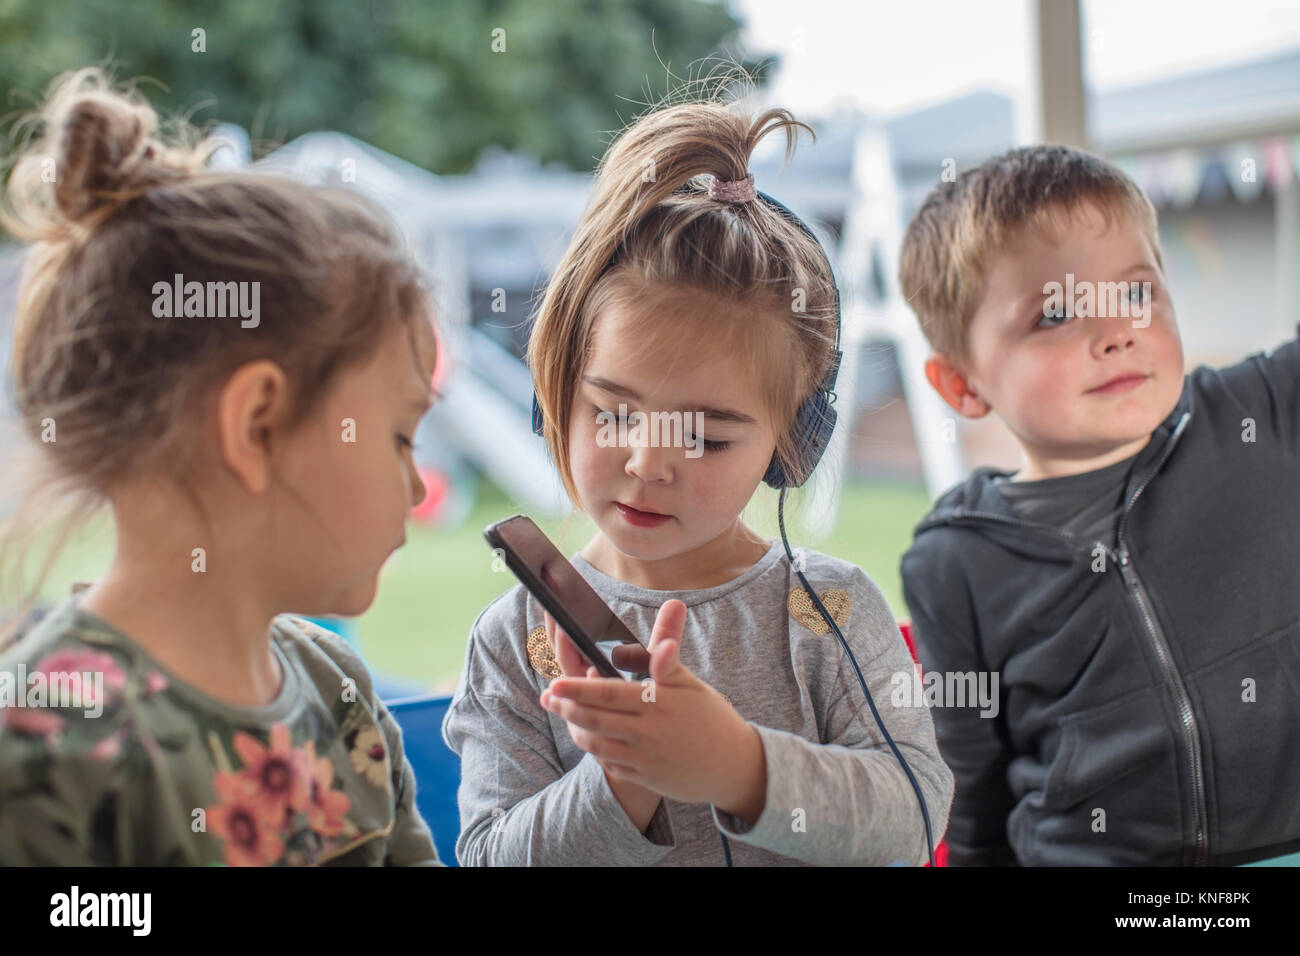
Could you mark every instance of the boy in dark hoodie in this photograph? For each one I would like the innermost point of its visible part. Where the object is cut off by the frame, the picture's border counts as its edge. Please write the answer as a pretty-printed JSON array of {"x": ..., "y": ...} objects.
[{"x": 1135, "y": 586}]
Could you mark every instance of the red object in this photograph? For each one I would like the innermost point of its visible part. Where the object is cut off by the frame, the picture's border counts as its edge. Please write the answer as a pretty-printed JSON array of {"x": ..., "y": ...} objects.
[
  {"x": 906, "y": 627},
  {"x": 435, "y": 482},
  {"x": 436, "y": 487},
  {"x": 941, "y": 851}
]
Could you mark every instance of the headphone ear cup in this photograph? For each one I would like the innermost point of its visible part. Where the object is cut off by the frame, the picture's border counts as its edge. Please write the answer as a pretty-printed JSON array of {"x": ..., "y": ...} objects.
[
  {"x": 775, "y": 476},
  {"x": 814, "y": 425},
  {"x": 538, "y": 421}
]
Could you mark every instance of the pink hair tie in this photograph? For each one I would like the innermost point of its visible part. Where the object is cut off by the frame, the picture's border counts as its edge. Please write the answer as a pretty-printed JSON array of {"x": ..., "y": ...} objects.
[{"x": 742, "y": 190}]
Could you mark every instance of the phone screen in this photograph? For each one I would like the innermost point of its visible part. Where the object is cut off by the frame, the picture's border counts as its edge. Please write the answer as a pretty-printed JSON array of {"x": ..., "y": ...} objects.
[{"x": 574, "y": 604}]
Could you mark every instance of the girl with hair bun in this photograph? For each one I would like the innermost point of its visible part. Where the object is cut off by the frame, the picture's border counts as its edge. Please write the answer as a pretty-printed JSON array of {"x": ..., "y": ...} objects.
[
  {"x": 685, "y": 291},
  {"x": 234, "y": 364}
]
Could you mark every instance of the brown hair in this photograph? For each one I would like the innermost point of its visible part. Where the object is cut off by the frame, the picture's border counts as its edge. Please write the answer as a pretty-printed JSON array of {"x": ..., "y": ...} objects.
[
  {"x": 962, "y": 224},
  {"x": 650, "y": 232},
  {"x": 128, "y": 208}
]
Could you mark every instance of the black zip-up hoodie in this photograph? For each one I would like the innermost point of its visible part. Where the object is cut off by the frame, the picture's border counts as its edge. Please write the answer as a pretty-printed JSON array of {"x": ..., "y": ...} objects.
[{"x": 1149, "y": 692}]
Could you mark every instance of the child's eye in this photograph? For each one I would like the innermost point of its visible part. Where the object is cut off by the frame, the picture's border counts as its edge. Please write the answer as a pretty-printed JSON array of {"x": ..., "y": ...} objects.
[
  {"x": 1058, "y": 320},
  {"x": 1136, "y": 293},
  {"x": 404, "y": 442},
  {"x": 632, "y": 419},
  {"x": 710, "y": 444}
]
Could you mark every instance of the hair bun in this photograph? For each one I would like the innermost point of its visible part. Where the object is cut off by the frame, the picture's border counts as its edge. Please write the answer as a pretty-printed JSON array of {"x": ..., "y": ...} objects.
[
  {"x": 103, "y": 144},
  {"x": 103, "y": 154}
]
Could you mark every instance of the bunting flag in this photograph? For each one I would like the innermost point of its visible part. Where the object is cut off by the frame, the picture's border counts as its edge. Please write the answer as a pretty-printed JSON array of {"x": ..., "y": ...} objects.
[
  {"x": 1241, "y": 170},
  {"x": 1243, "y": 173},
  {"x": 1183, "y": 172}
]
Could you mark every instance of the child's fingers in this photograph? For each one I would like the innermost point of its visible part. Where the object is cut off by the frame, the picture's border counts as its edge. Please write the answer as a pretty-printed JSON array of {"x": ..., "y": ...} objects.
[
  {"x": 606, "y": 693},
  {"x": 665, "y": 664},
  {"x": 570, "y": 659},
  {"x": 669, "y": 623},
  {"x": 612, "y": 725}
]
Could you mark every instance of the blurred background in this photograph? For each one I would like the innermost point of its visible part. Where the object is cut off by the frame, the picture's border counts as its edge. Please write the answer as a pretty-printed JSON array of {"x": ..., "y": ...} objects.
[{"x": 477, "y": 124}]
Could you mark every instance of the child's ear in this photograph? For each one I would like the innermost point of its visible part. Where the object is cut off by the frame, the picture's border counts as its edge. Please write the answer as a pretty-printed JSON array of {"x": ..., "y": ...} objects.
[
  {"x": 954, "y": 387},
  {"x": 251, "y": 403}
]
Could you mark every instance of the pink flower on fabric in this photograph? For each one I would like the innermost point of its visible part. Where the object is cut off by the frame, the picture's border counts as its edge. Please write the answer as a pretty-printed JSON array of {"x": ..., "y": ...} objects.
[
  {"x": 35, "y": 721},
  {"x": 109, "y": 747},
  {"x": 155, "y": 683},
  {"x": 241, "y": 819},
  {"x": 76, "y": 665},
  {"x": 328, "y": 807},
  {"x": 280, "y": 774}
]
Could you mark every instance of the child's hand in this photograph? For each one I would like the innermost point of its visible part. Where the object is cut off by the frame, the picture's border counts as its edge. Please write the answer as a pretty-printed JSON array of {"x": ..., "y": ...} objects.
[
  {"x": 673, "y": 733},
  {"x": 566, "y": 654},
  {"x": 638, "y": 802}
]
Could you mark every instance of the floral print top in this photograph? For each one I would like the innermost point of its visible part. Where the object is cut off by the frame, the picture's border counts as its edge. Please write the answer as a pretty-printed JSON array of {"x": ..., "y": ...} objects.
[{"x": 108, "y": 759}]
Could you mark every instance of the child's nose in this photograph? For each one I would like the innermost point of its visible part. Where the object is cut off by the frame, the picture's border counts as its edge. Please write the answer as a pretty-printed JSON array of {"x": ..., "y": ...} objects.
[
  {"x": 649, "y": 463},
  {"x": 1112, "y": 333},
  {"x": 418, "y": 490}
]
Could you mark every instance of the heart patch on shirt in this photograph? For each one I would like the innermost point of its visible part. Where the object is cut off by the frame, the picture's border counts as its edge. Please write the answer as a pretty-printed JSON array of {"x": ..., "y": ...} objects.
[
  {"x": 802, "y": 609},
  {"x": 540, "y": 654}
]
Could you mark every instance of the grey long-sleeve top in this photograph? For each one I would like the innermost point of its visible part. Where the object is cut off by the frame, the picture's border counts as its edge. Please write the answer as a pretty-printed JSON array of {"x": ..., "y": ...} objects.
[{"x": 836, "y": 794}]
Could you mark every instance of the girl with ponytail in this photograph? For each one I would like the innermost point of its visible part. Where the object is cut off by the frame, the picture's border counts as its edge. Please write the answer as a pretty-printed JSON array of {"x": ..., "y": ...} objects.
[{"x": 687, "y": 297}]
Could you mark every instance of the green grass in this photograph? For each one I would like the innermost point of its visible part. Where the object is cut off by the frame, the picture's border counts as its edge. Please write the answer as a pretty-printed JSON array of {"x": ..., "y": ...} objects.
[{"x": 433, "y": 589}]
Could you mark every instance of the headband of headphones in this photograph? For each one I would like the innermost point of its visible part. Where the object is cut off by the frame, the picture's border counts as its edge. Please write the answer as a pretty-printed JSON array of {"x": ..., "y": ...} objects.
[{"x": 828, "y": 382}]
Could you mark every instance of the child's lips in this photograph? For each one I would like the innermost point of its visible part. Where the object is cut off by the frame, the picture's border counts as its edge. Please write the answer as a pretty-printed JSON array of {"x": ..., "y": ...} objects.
[
  {"x": 1121, "y": 383},
  {"x": 642, "y": 519}
]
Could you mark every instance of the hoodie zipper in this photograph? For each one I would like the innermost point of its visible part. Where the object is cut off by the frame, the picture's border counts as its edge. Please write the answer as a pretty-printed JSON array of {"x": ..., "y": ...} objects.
[
  {"x": 1138, "y": 592},
  {"x": 1187, "y": 717}
]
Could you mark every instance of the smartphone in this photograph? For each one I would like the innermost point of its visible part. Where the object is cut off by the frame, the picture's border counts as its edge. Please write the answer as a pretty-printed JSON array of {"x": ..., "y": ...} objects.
[{"x": 599, "y": 635}]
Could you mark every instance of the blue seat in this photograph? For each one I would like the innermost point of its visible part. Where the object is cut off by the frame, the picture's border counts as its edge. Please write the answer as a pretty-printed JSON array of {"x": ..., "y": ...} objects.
[{"x": 436, "y": 766}]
